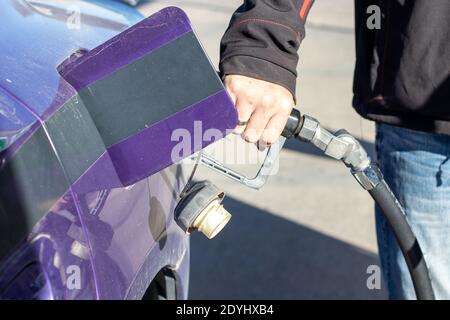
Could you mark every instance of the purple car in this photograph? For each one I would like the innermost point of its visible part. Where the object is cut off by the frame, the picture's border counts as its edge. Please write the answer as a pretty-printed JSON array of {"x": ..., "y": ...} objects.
[{"x": 90, "y": 93}]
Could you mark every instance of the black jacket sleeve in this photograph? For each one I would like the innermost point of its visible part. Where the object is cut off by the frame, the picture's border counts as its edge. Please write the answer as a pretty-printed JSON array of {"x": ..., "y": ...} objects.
[{"x": 262, "y": 40}]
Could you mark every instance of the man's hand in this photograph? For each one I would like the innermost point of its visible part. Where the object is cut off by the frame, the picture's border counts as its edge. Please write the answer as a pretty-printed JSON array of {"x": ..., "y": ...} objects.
[{"x": 263, "y": 108}]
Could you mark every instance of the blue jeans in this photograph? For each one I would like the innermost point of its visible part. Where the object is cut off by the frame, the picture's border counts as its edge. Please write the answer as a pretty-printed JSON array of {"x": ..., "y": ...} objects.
[{"x": 416, "y": 166}]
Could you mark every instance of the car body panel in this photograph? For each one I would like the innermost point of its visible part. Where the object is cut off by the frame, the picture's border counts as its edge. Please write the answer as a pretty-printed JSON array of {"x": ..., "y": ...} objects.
[
  {"x": 113, "y": 227},
  {"x": 29, "y": 81}
]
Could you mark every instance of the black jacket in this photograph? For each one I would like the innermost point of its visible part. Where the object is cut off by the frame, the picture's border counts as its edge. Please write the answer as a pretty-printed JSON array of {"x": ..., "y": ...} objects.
[{"x": 402, "y": 73}]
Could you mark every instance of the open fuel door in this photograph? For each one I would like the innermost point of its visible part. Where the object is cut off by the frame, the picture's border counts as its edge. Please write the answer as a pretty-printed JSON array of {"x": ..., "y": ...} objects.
[{"x": 145, "y": 97}]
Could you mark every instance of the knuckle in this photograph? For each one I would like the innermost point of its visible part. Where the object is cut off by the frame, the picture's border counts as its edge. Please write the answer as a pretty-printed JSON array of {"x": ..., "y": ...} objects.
[
  {"x": 267, "y": 100},
  {"x": 233, "y": 85},
  {"x": 285, "y": 102}
]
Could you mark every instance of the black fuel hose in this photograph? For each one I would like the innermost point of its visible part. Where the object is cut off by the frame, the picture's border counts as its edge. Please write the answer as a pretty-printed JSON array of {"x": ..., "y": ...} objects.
[
  {"x": 396, "y": 218},
  {"x": 406, "y": 240}
]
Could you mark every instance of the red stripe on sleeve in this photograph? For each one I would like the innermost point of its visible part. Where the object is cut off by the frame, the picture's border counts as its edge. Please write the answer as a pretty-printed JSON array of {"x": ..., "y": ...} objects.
[{"x": 305, "y": 8}]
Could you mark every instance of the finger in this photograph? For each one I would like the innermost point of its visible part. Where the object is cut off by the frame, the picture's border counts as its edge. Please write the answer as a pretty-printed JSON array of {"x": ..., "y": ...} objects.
[
  {"x": 274, "y": 129},
  {"x": 256, "y": 125},
  {"x": 237, "y": 130},
  {"x": 245, "y": 110},
  {"x": 232, "y": 96}
]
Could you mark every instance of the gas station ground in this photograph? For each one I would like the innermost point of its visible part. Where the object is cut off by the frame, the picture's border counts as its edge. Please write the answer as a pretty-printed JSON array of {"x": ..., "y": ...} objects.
[{"x": 310, "y": 232}]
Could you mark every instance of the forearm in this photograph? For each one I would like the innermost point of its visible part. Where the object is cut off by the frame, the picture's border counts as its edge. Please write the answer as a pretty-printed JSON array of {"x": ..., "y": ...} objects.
[{"x": 263, "y": 39}]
